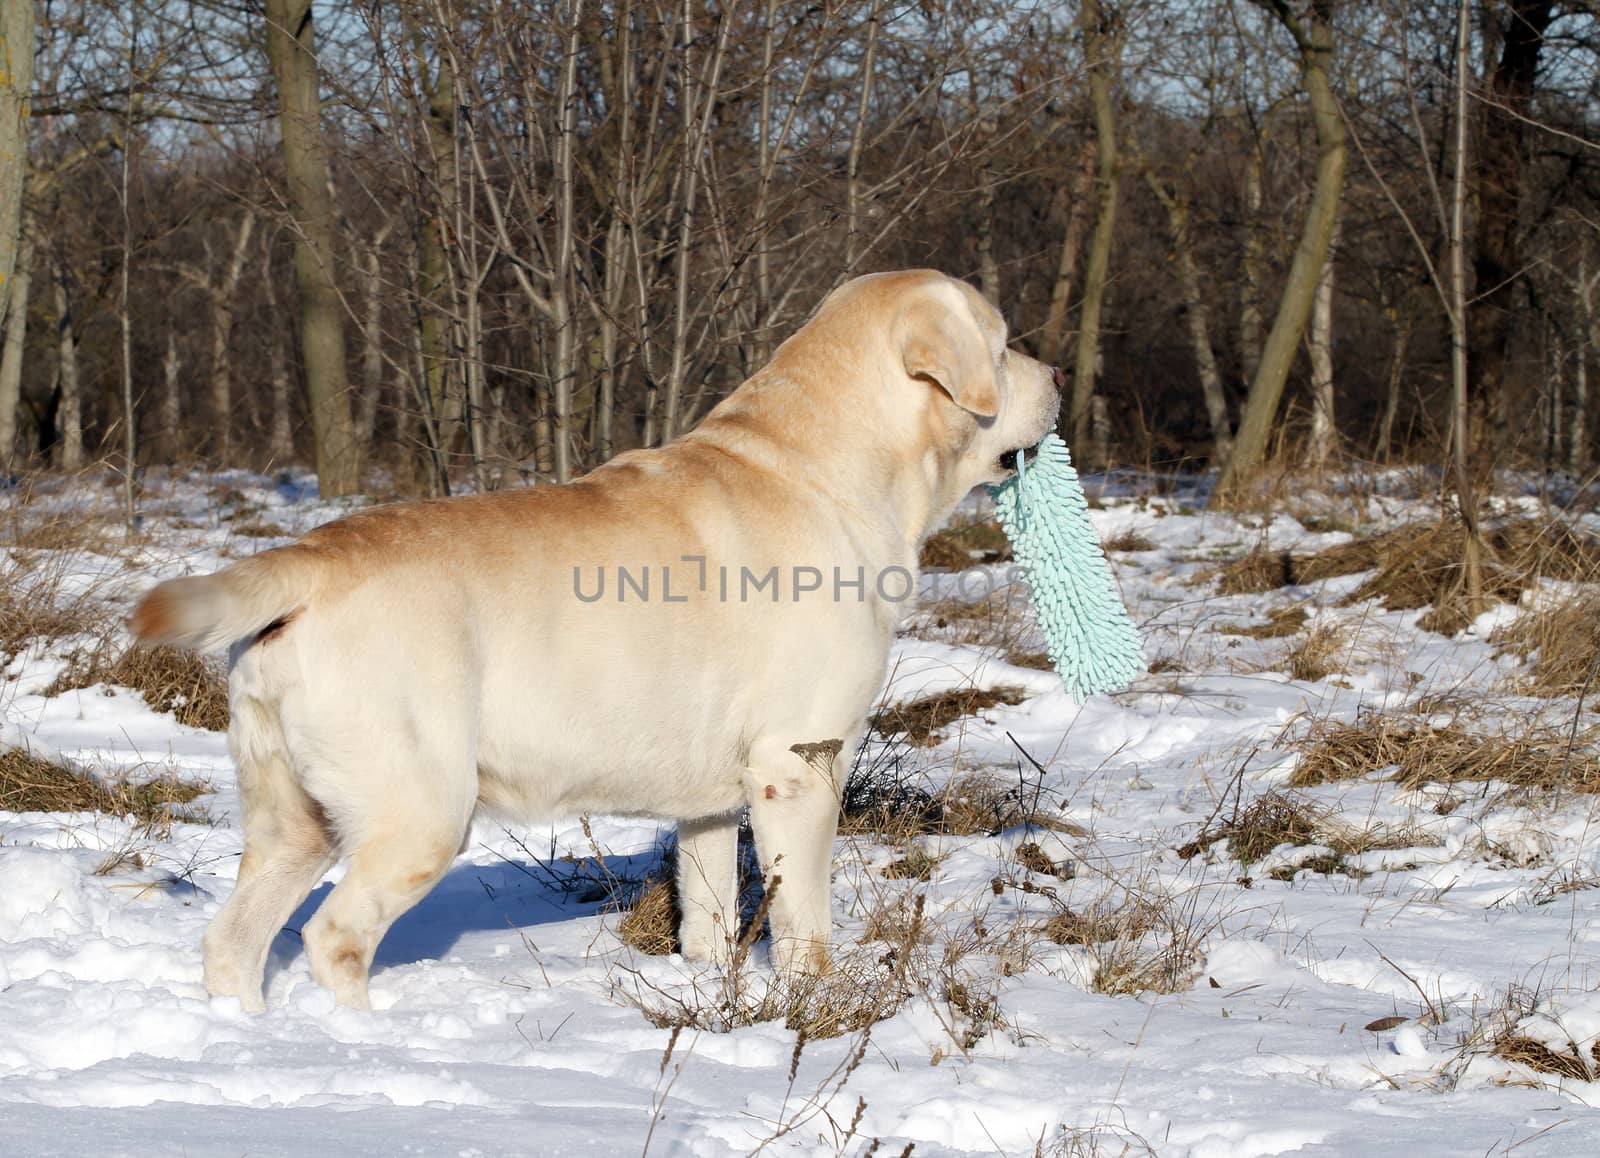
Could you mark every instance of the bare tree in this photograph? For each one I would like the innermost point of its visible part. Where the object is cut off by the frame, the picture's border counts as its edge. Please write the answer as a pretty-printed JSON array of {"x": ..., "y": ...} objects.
[
  {"x": 1324, "y": 420},
  {"x": 16, "y": 86},
  {"x": 1312, "y": 33},
  {"x": 16, "y": 338},
  {"x": 1101, "y": 46},
  {"x": 291, "y": 45}
]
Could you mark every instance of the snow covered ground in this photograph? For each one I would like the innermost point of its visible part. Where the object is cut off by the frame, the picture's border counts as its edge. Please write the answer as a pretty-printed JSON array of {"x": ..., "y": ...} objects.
[{"x": 1347, "y": 1007}]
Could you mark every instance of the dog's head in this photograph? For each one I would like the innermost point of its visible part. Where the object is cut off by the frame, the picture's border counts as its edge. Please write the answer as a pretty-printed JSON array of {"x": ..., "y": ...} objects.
[{"x": 940, "y": 382}]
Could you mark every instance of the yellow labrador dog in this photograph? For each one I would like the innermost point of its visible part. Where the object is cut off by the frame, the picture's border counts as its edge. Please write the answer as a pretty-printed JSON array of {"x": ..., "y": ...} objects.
[{"x": 684, "y": 633}]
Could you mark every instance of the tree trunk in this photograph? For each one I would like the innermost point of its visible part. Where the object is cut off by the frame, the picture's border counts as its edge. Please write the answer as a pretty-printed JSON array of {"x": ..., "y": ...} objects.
[
  {"x": 1315, "y": 42},
  {"x": 372, "y": 369},
  {"x": 696, "y": 129},
  {"x": 291, "y": 43},
  {"x": 1197, "y": 316},
  {"x": 1251, "y": 264},
  {"x": 16, "y": 83},
  {"x": 1053, "y": 334},
  {"x": 1324, "y": 428},
  {"x": 858, "y": 137},
  {"x": 16, "y": 324},
  {"x": 280, "y": 441},
  {"x": 443, "y": 200},
  {"x": 222, "y": 299},
  {"x": 988, "y": 265},
  {"x": 1588, "y": 343},
  {"x": 1100, "y": 49},
  {"x": 1497, "y": 193},
  {"x": 69, "y": 407},
  {"x": 1460, "y": 435},
  {"x": 1578, "y": 433},
  {"x": 561, "y": 276},
  {"x": 1391, "y": 399},
  {"x": 171, "y": 391}
]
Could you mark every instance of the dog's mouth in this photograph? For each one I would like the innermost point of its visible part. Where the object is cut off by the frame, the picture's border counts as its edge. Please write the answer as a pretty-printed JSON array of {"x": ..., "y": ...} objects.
[{"x": 1005, "y": 464}]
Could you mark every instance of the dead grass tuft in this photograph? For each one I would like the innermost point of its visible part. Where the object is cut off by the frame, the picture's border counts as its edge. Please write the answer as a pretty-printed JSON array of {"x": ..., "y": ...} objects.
[
  {"x": 258, "y": 529},
  {"x": 192, "y": 688},
  {"x": 1268, "y": 822},
  {"x": 31, "y": 784},
  {"x": 996, "y": 621},
  {"x": 1420, "y": 565},
  {"x": 1033, "y": 858},
  {"x": 651, "y": 925},
  {"x": 1420, "y": 752},
  {"x": 922, "y": 721},
  {"x": 1129, "y": 540},
  {"x": 70, "y": 530},
  {"x": 1275, "y": 819},
  {"x": 1138, "y": 942},
  {"x": 883, "y": 804},
  {"x": 1281, "y": 622},
  {"x": 1562, "y": 641},
  {"x": 1097, "y": 926},
  {"x": 962, "y": 545},
  {"x": 1260, "y": 570},
  {"x": 917, "y": 865},
  {"x": 1568, "y": 1063},
  {"x": 1317, "y": 656},
  {"x": 30, "y": 611}
]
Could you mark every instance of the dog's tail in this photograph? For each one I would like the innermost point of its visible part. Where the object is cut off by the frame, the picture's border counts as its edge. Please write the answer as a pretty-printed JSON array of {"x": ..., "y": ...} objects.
[{"x": 207, "y": 611}]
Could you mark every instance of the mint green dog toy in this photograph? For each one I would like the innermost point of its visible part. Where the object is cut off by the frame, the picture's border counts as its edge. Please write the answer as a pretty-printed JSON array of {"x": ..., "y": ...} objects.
[{"x": 1092, "y": 643}]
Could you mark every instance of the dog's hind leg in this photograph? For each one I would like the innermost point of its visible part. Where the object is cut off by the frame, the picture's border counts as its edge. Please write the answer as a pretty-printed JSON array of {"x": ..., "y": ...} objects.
[
  {"x": 401, "y": 843},
  {"x": 794, "y": 813},
  {"x": 708, "y": 884},
  {"x": 287, "y": 849}
]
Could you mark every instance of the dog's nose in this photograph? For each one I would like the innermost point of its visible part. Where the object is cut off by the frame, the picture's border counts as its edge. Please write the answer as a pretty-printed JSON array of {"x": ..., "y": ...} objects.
[{"x": 1059, "y": 377}]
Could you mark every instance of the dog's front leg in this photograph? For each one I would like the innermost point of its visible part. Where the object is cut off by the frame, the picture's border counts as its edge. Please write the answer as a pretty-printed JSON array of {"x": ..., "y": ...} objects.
[
  {"x": 794, "y": 812},
  {"x": 708, "y": 886}
]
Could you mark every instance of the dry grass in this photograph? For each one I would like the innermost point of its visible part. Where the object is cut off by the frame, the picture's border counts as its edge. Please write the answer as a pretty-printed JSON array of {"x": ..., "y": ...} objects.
[
  {"x": 1096, "y": 926},
  {"x": 1033, "y": 858},
  {"x": 1418, "y": 752},
  {"x": 650, "y": 924},
  {"x": 31, "y": 784},
  {"x": 896, "y": 812},
  {"x": 1420, "y": 565},
  {"x": 30, "y": 609},
  {"x": 1129, "y": 540},
  {"x": 257, "y": 529},
  {"x": 1267, "y": 823},
  {"x": 1261, "y": 569},
  {"x": 996, "y": 621},
  {"x": 1281, "y": 622},
  {"x": 29, "y": 526},
  {"x": 1137, "y": 942},
  {"x": 1569, "y": 1063},
  {"x": 922, "y": 721},
  {"x": 962, "y": 545},
  {"x": 1274, "y": 820},
  {"x": 851, "y": 996},
  {"x": 192, "y": 688},
  {"x": 1317, "y": 655},
  {"x": 917, "y": 865},
  {"x": 1563, "y": 643}
]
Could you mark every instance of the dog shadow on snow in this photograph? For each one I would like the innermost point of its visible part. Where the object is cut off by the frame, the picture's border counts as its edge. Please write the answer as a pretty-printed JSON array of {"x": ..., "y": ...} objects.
[{"x": 488, "y": 898}]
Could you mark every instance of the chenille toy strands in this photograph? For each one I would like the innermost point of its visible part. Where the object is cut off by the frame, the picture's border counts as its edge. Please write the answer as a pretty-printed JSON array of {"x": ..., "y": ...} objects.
[{"x": 1091, "y": 641}]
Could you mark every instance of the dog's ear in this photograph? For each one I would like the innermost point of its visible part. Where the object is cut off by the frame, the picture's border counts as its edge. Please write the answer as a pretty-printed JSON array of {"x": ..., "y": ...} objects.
[{"x": 941, "y": 341}]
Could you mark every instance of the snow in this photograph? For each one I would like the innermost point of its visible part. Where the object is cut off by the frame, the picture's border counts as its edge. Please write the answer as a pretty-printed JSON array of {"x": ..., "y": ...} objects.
[{"x": 507, "y": 1011}]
